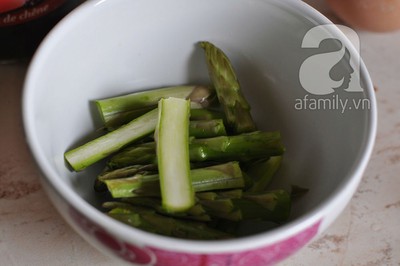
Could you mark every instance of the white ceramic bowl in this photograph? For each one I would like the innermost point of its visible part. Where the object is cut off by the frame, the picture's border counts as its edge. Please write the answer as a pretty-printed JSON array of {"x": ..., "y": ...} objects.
[{"x": 109, "y": 47}]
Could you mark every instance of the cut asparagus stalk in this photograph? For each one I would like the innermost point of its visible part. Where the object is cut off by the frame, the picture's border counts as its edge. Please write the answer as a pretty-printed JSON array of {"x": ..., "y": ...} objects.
[
  {"x": 128, "y": 171},
  {"x": 207, "y": 128},
  {"x": 241, "y": 147},
  {"x": 155, "y": 188},
  {"x": 172, "y": 148},
  {"x": 121, "y": 109},
  {"x": 97, "y": 149},
  {"x": 137, "y": 185},
  {"x": 195, "y": 213},
  {"x": 223, "y": 176},
  {"x": 168, "y": 226},
  {"x": 272, "y": 206},
  {"x": 276, "y": 205},
  {"x": 134, "y": 220},
  {"x": 212, "y": 195},
  {"x": 230, "y": 96},
  {"x": 143, "y": 154},
  {"x": 114, "y": 121},
  {"x": 205, "y": 114},
  {"x": 262, "y": 172}
]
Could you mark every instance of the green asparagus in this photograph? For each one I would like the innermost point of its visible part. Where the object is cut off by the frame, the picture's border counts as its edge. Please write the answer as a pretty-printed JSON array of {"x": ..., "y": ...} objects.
[
  {"x": 230, "y": 96},
  {"x": 207, "y": 128},
  {"x": 262, "y": 172},
  {"x": 116, "y": 111},
  {"x": 196, "y": 213},
  {"x": 223, "y": 176},
  {"x": 233, "y": 205},
  {"x": 188, "y": 161},
  {"x": 172, "y": 149},
  {"x": 150, "y": 221},
  {"x": 272, "y": 206},
  {"x": 205, "y": 114},
  {"x": 245, "y": 146},
  {"x": 108, "y": 174},
  {"x": 97, "y": 149}
]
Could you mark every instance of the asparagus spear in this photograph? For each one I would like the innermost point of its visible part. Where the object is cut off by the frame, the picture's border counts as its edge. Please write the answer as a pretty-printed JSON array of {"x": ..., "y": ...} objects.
[
  {"x": 223, "y": 148},
  {"x": 172, "y": 192},
  {"x": 201, "y": 128},
  {"x": 172, "y": 148},
  {"x": 207, "y": 128},
  {"x": 230, "y": 96},
  {"x": 241, "y": 147},
  {"x": 118, "y": 110},
  {"x": 97, "y": 149},
  {"x": 140, "y": 154},
  {"x": 128, "y": 171},
  {"x": 195, "y": 213},
  {"x": 263, "y": 171},
  {"x": 233, "y": 205},
  {"x": 150, "y": 221},
  {"x": 272, "y": 206},
  {"x": 223, "y": 176},
  {"x": 205, "y": 114},
  {"x": 115, "y": 120},
  {"x": 213, "y": 195}
]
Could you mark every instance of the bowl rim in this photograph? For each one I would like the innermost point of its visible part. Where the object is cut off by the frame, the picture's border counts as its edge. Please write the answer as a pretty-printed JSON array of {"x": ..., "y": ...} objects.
[{"x": 194, "y": 246}]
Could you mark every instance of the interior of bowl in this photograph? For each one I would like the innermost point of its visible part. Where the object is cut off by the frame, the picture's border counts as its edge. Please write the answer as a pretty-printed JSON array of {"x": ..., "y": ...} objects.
[{"x": 111, "y": 48}]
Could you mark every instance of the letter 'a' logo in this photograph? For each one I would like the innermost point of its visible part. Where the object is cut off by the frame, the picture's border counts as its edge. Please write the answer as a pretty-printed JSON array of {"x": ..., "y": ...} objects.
[{"x": 314, "y": 74}]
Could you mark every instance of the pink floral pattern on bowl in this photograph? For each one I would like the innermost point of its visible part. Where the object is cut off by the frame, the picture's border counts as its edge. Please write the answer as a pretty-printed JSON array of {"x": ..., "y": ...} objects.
[
  {"x": 268, "y": 255},
  {"x": 151, "y": 256}
]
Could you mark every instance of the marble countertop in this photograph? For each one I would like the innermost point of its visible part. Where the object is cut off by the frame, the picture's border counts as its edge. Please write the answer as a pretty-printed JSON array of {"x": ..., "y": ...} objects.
[{"x": 366, "y": 233}]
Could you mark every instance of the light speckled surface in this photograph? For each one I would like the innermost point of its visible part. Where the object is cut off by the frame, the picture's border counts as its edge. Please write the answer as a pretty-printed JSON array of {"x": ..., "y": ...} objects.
[{"x": 366, "y": 233}]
